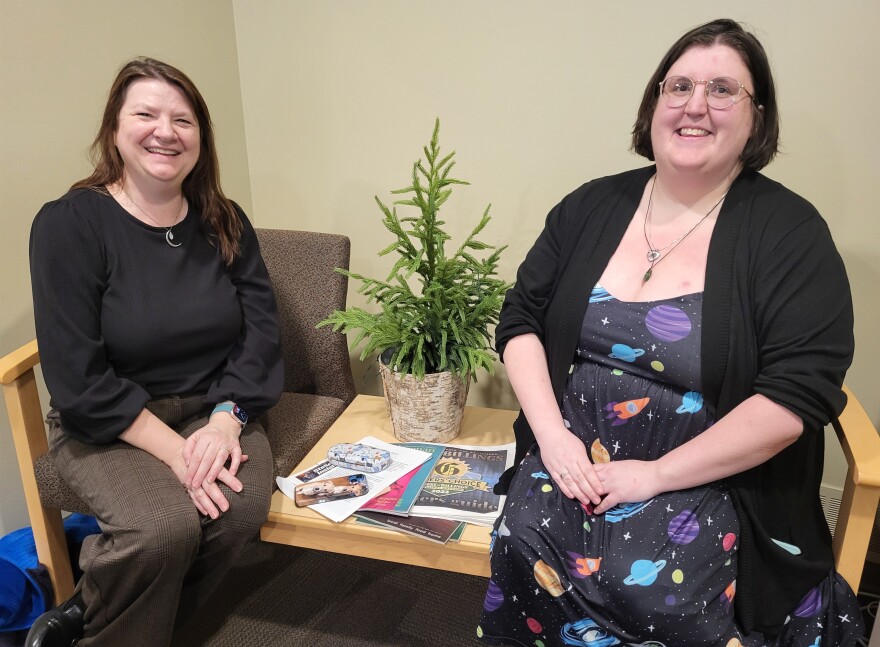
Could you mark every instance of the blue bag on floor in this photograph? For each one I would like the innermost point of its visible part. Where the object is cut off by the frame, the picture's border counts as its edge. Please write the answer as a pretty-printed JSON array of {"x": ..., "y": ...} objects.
[{"x": 25, "y": 589}]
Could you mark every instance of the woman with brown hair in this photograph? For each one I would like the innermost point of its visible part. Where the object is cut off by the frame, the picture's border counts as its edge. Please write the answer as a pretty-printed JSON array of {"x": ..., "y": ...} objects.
[
  {"x": 677, "y": 338},
  {"x": 159, "y": 343}
]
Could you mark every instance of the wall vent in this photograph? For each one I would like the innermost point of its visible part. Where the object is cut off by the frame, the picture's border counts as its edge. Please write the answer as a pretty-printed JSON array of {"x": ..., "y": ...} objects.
[{"x": 830, "y": 499}]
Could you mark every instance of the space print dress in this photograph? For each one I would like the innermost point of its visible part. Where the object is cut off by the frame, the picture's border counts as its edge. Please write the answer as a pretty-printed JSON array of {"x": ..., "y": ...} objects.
[{"x": 657, "y": 573}]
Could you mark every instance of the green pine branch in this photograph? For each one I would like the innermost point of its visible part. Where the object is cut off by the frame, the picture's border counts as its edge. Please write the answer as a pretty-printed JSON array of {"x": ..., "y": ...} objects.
[{"x": 444, "y": 324}]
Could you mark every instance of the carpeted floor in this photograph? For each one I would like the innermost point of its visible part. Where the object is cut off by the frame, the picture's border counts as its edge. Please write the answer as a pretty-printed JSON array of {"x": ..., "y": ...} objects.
[{"x": 282, "y": 596}]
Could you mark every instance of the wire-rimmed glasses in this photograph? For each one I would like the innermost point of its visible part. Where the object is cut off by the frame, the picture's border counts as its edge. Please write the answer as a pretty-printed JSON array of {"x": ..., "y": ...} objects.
[{"x": 721, "y": 93}]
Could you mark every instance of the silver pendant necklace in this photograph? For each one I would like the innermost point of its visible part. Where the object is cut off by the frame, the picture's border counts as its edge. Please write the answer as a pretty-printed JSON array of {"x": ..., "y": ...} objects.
[
  {"x": 655, "y": 254},
  {"x": 169, "y": 235}
]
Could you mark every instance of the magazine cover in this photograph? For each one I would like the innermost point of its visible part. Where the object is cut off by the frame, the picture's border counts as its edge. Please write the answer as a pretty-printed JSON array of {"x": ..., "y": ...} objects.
[
  {"x": 400, "y": 496},
  {"x": 461, "y": 482}
]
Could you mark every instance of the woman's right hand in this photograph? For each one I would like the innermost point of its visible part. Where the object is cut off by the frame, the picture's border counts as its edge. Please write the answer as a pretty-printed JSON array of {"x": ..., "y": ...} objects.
[
  {"x": 209, "y": 498},
  {"x": 565, "y": 457}
]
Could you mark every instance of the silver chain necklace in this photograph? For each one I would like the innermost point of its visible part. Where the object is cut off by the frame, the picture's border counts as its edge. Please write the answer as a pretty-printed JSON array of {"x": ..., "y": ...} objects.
[
  {"x": 169, "y": 235},
  {"x": 655, "y": 254}
]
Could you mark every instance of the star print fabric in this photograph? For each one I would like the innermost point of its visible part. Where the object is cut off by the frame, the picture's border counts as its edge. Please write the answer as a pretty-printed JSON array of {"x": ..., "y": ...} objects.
[{"x": 658, "y": 573}]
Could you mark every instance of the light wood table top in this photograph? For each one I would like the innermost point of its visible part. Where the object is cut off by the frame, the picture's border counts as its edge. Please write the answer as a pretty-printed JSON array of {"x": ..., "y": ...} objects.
[{"x": 367, "y": 416}]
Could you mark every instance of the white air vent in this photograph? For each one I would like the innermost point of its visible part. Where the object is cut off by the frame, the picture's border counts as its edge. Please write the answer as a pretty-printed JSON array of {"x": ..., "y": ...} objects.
[{"x": 830, "y": 499}]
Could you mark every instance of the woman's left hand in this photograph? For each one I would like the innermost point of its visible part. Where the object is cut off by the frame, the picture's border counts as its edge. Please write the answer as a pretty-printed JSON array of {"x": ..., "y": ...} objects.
[
  {"x": 627, "y": 481},
  {"x": 208, "y": 449}
]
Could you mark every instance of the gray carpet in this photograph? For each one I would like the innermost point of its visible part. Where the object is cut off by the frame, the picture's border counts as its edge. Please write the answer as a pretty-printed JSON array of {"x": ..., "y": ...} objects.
[{"x": 278, "y": 595}]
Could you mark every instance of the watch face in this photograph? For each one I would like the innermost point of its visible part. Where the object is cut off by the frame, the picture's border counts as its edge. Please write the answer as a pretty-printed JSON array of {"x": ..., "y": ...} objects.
[{"x": 239, "y": 413}]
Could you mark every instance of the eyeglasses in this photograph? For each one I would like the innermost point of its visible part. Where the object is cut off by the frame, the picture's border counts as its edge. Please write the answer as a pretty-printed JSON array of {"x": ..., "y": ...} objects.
[{"x": 721, "y": 93}]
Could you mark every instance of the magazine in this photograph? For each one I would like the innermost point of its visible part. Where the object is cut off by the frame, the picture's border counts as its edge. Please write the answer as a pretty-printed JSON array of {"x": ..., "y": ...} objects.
[
  {"x": 403, "y": 460},
  {"x": 460, "y": 485},
  {"x": 400, "y": 496},
  {"x": 430, "y": 528}
]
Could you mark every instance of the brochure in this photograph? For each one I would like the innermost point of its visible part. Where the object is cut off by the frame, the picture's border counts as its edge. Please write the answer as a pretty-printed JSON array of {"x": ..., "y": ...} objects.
[
  {"x": 403, "y": 461},
  {"x": 460, "y": 485},
  {"x": 400, "y": 496},
  {"x": 430, "y": 528}
]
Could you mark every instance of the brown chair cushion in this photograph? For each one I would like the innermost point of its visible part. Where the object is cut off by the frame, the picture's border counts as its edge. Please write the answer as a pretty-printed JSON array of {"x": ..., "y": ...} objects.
[{"x": 295, "y": 424}]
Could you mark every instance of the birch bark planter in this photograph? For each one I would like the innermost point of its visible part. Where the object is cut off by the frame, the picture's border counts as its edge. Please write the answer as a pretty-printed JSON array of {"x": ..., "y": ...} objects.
[{"x": 428, "y": 410}]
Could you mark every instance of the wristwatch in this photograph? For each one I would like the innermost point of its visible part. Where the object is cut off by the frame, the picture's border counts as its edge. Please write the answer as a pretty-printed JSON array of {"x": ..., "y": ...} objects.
[{"x": 241, "y": 417}]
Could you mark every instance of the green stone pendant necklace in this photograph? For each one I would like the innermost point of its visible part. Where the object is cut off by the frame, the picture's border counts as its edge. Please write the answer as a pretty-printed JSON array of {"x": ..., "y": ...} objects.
[{"x": 655, "y": 254}]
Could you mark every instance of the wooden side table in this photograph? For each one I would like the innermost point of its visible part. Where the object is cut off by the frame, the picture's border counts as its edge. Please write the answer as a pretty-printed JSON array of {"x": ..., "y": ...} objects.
[{"x": 367, "y": 416}]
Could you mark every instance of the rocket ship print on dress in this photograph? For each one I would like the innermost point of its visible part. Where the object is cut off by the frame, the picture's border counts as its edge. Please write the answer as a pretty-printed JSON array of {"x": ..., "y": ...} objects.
[{"x": 623, "y": 411}]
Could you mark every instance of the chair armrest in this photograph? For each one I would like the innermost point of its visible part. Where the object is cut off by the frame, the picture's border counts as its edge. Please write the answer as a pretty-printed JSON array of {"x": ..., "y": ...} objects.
[
  {"x": 861, "y": 490},
  {"x": 16, "y": 363},
  {"x": 860, "y": 442}
]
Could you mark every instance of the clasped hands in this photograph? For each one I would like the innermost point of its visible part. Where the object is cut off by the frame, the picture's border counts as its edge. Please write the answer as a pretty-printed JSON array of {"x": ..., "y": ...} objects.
[
  {"x": 601, "y": 485},
  {"x": 202, "y": 463}
]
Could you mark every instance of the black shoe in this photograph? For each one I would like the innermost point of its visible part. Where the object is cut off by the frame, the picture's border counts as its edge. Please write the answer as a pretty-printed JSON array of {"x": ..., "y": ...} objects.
[{"x": 61, "y": 627}]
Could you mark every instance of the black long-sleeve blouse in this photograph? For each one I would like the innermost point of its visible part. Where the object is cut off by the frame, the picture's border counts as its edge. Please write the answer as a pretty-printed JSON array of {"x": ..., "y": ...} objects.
[{"x": 122, "y": 317}]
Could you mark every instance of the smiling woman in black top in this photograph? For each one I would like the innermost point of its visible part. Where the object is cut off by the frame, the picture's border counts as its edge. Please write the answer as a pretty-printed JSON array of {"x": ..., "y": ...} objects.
[{"x": 159, "y": 343}]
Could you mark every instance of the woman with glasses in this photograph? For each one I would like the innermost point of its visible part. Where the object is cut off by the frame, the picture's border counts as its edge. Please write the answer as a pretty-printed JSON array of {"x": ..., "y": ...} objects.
[{"x": 677, "y": 338}]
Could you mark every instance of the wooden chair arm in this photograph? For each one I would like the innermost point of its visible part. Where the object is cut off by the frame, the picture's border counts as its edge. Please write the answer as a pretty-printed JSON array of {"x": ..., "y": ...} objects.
[
  {"x": 861, "y": 491},
  {"x": 16, "y": 363}
]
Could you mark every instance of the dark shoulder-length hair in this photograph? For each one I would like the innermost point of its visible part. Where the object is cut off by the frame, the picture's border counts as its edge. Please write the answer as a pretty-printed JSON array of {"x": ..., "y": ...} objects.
[
  {"x": 762, "y": 146},
  {"x": 202, "y": 186}
]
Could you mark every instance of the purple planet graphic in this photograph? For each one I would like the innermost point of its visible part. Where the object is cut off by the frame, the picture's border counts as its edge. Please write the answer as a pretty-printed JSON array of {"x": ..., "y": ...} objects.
[
  {"x": 644, "y": 572},
  {"x": 668, "y": 323},
  {"x": 810, "y": 605},
  {"x": 683, "y": 528},
  {"x": 494, "y": 597}
]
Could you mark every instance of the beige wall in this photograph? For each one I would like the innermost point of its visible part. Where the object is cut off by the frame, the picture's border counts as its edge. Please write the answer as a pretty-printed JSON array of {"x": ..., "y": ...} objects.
[
  {"x": 57, "y": 61},
  {"x": 338, "y": 98},
  {"x": 536, "y": 98}
]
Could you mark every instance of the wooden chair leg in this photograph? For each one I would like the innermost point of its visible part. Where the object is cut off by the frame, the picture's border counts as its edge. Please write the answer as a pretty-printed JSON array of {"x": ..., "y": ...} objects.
[{"x": 23, "y": 404}]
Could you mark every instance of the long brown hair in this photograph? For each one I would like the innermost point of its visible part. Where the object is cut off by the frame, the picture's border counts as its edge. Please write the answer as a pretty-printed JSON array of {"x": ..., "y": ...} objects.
[
  {"x": 762, "y": 146},
  {"x": 202, "y": 186}
]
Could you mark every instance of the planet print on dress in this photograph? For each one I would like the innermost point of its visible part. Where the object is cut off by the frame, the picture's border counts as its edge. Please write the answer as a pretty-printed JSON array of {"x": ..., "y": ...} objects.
[
  {"x": 533, "y": 625},
  {"x": 548, "y": 579},
  {"x": 503, "y": 530},
  {"x": 683, "y": 528},
  {"x": 625, "y": 353},
  {"x": 580, "y": 566},
  {"x": 623, "y": 411},
  {"x": 657, "y": 365},
  {"x": 668, "y": 323},
  {"x": 625, "y": 511},
  {"x": 599, "y": 294},
  {"x": 644, "y": 572},
  {"x": 494, "y": 597},
  {"x": 810, "y": 605},
  {"x": 728, "y": 541},
  {"x": 691, "y": 402},
  {"x": 599, "y": 453},
  {"x": 546, "y": 487},
  {"x": 586, "y": 633},
  {"x": 540, "y": 475},
  {"x": 678, "y": 576},
  {"x": 650, "y": 643}
]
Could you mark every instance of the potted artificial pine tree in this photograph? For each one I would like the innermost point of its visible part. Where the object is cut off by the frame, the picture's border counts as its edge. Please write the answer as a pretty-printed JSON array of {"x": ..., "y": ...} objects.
[{"x": 432, "y": 330}]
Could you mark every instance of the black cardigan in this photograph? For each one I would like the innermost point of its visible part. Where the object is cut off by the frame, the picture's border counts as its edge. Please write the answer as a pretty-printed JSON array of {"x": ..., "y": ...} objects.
[{"x": 777, "y": 320}]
